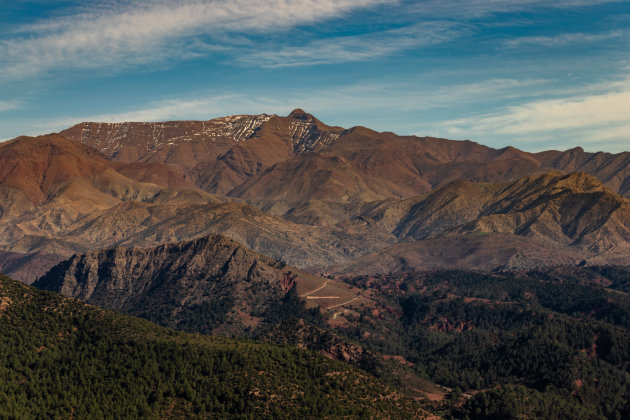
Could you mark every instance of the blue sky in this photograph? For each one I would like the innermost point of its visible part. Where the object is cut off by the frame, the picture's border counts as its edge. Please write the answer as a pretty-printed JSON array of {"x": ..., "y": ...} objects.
[{"x": 532, "y": 74}]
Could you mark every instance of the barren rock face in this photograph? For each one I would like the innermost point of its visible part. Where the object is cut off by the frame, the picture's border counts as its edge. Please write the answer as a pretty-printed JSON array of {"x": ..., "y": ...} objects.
[
  {"x": 157, "y": 283},
  {"x": 207, "y": 284}
]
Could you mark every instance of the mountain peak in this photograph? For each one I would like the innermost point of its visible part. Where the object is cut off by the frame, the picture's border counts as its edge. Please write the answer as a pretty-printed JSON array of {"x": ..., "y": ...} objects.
[
  {"x": 298, "y": 113},
  {"x": 581, "y": 182}
]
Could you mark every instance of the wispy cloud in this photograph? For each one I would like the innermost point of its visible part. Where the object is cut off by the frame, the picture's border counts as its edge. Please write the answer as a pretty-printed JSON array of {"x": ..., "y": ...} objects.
[
  {"x": 589, "y": 119},
  {"x": 473, "y": 9},
  {"x": 116, "y": 34},
  {"x": 366, "y": 97},
  {"x": 486, "y": 90},
  {"x": 202, "y": 107},
  {"x": 584, "y": 118},
  {"x": 127, "y": 33},
  {"x": 9, "y": 105},
  {"x": 358, "y": 47},
  {"x": 562, "y": 39}
]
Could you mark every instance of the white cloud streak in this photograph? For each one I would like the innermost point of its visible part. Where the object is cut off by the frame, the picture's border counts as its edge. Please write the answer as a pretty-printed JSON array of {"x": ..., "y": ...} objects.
[
  {"x": 149, "y": 31},
  {"x": 472, "y": 9},
  {"x": 193, "y": 108},
  {"x": 358, "y": 47},
  {"x": 119, "y": 33},
  {"x": 201, "y": 108},
  {"x": 585, "y": 118},
  {"x": 9, "y": 105},
  {"x": 595, "y": 120},
  {"x": 366, "y": 97},
  {"x": 561, "y": 40}
]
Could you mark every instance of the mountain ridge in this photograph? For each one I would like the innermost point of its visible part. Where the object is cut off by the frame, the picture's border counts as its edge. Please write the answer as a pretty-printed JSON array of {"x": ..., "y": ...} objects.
[
  {"x": 297, "y": 189},
  {"x": 174, "y": 284},
  {"x": 463, "y": 159}
]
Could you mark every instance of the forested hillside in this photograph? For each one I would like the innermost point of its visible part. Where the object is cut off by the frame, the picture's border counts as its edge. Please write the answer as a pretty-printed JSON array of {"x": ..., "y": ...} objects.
[
  {"x": 539, "y": 344},
  {"x": 61, "y": 358}
]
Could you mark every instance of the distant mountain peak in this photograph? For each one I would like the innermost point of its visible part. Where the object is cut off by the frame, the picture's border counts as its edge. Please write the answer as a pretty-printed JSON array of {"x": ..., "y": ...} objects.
[
  {"x": 581, "y": 182},
  {"x": 298, "y": 112}
]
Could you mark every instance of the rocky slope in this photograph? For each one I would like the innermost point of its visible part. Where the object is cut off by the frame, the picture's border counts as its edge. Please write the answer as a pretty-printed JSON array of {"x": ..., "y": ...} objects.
[
  {"x": 216, "y": 155},
  {"x": 298, "y": 190},
  {"x": 58, "y": 197},
  {"x": 561, "y": 209},
  {"x": 539, "y": 220},
  {"x": 49, "y": 186},
  {"x": 221, "y": 154},
  {"x": 205, "y": 285},
  {"x": 612, "y": 169},
  {"x": 484, "y": 252}
]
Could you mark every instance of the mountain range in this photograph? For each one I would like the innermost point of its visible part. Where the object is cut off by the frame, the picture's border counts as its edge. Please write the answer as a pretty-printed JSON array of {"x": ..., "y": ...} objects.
[
  {"x": 468, "y": 281},
  {"x": 321, "y": 198},
  {"x": 235, "y": 149}
]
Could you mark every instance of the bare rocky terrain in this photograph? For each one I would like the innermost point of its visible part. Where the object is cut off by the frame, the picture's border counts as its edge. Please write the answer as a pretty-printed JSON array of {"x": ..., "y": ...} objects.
[
  {"x": 210, "y": 284},
  {"x": 318, "y": 197}
]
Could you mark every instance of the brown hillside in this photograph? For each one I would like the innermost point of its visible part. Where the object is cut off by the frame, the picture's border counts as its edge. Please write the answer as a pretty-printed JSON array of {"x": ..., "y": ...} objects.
[
  {"x": 85, "y": 203},
  {"x": 535, "y": 221},
  {"x": 299, "y": 190},
  {"x": 484, "y": 251},
  {"x": 612, "y": 169},
  {"x": 562, "y": 209},
  {"x": 308, "y": 172},
  {"x": 50, "y": 185},
  {"x": 223, "y": 154},
  {"x": 216, "y": 155}
]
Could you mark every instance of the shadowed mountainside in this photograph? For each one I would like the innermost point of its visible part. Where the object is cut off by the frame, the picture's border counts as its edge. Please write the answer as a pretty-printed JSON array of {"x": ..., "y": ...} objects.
[
  {"x": 562, "y": 209},
  {"x": 210, "y": 284},
  {"x": 59, "y": 197},
  {"x": 540, "y": 220}
]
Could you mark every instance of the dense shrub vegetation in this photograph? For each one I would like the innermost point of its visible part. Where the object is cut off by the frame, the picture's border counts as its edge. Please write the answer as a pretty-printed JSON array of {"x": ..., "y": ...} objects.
[
  {"x": 60, "y": 358},
  {"x": 540, "y": 344}
]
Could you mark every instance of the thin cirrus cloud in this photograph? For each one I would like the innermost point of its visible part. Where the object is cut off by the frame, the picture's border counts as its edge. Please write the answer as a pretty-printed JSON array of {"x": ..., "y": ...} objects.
[
  {"x": 408, "y": 96},
  {"x": 9, "y": 105},
  {"x": 367, "y": 97},
  {"x": 143, "y": 32},
  {"x": 585, "y": 118},
  {"x": 117, "y": 34},
  {"x": 358, "y": 47},
  {"x": 588, "y": 118},
  {"x": 473, "y": 9},
  {"x": 561, "y": 40},
  {"x": 202, "y": 107}
]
